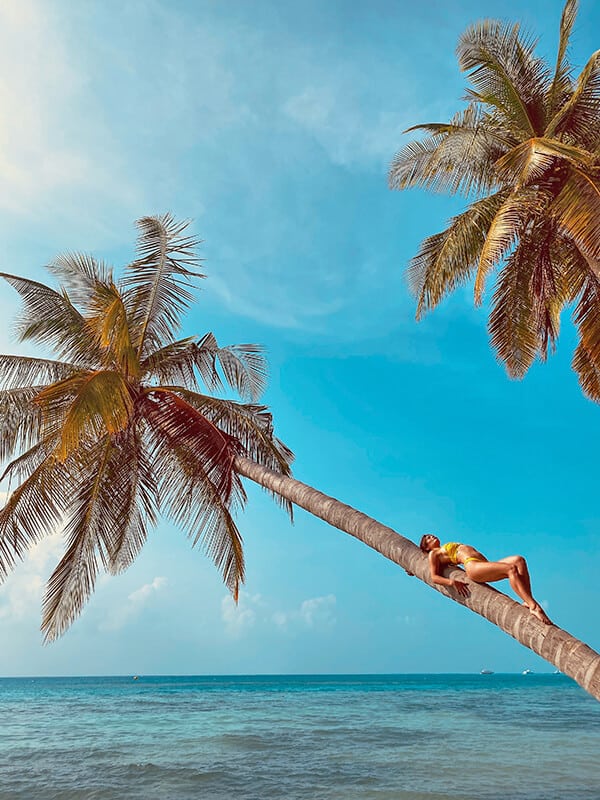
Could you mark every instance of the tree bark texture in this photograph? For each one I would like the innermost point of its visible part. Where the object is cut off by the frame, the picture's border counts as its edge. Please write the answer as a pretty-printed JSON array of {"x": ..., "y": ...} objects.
[{"x": 568, "y": 654}]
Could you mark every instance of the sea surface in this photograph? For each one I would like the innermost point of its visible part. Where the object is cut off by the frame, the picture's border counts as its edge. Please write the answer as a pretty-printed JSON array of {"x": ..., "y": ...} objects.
[{"x": 336, "y": 737}]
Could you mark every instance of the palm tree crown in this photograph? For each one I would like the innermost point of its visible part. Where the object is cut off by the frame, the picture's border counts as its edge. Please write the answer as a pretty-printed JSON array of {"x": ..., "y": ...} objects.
[
  {"x": 117, "y": 431},
  {"x": 526, "y": 152}
]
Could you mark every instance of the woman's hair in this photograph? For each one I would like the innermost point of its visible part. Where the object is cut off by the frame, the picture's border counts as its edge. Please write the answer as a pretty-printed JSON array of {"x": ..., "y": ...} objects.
[{"x": 422, "y": 544}]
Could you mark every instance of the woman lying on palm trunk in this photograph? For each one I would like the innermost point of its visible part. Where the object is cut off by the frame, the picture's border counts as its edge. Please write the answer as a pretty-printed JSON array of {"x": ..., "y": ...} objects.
[{"x": 480, "y": 570}]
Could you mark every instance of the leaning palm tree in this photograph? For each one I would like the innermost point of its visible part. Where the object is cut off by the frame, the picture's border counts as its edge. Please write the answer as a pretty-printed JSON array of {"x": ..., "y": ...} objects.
[
  {"x": 526, "y": 152},
  {"x": 116, "y": 431},
  {"x": 123, "y": 427}
]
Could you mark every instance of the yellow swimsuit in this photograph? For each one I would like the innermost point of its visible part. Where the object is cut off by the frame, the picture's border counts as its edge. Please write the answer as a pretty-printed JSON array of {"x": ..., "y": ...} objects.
[{"x": 451, "y": 550}]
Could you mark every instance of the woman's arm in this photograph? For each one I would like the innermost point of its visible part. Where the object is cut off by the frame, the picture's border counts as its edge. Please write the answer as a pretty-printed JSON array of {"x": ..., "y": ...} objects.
[{"x": 435, "y": 567}]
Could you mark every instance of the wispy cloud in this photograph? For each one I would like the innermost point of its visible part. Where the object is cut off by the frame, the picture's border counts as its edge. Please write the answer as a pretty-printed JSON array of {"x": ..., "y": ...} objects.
[
  {"x": 120, "y": 616},
  {"x": 21, "y": 594},
  {"x": 239, "y": 618},
  {"x": 316, "y": 613}
]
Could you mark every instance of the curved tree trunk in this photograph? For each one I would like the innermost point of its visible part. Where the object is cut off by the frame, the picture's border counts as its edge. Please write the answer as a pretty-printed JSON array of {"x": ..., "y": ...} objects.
[{"x": 568, "y": 654}]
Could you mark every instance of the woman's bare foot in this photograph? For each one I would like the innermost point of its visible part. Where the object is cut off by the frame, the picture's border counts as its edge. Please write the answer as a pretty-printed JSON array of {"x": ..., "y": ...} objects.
[{"x": 539, "y": 612}]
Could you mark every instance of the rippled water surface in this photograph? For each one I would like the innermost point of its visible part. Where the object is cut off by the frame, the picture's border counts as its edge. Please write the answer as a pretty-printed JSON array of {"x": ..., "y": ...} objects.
[{"x": 410, "y": 737}]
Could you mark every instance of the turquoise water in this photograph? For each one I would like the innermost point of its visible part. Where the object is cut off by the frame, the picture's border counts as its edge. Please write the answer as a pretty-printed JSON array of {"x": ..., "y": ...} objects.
[{"x": 378, "y": 737}]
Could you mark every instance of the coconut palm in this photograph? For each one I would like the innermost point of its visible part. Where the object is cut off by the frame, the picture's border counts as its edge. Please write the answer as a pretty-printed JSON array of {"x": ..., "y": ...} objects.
[
  {"x": 116, "y": 432},
  {"x": 526, "y": 152}
]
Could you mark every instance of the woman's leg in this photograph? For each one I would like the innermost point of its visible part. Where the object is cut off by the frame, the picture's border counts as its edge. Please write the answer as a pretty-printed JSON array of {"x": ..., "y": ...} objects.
[
  {"x": 521, "y": 566},
  {"x": 490, "y": 571}
]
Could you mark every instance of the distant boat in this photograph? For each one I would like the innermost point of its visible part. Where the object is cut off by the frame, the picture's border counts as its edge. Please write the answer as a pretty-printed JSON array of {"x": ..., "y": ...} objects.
[
  {"x": 136, "y": 677},
  {"x": 527, "y": 672},
  {"x": 487, "y": 672}
]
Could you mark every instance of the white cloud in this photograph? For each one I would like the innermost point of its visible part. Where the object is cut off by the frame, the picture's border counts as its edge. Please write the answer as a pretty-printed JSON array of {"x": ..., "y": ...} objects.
[
  {"x": 136, "y": 602},
  {"x": 241, "y": 617},
  {"x": 351, "y": 133},
  {"x": 35, "y": 157},
  {"x": 316, "y": 612},
  {"x": 21, "y": 594}
]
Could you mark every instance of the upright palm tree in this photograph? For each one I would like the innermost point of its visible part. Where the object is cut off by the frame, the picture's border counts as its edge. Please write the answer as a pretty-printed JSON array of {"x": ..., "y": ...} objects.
[
  {"x": 117, "y": 432},
  {"x": 526, "y": 152}
]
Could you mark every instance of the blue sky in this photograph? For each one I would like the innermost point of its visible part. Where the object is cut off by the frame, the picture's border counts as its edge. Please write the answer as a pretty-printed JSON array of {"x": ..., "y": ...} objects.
[{"x": 271, "y": 124}]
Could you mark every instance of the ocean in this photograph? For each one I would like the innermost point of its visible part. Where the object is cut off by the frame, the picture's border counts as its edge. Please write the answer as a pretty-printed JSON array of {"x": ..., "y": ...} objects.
[{"x": 336, "y": 737}]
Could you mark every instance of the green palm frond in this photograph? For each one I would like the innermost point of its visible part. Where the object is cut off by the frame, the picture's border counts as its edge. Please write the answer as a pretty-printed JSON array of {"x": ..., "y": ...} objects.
[
  {"x": 512, "y": 334},
  {"x": 506, "y": 74},
  {"x": 561, "y": 85},
  {"x": 158, "y": 282},
  {"x": 73, "y": 580},
  {"x": 458, "y": 157},
  {"x": 448, "y": 259}
]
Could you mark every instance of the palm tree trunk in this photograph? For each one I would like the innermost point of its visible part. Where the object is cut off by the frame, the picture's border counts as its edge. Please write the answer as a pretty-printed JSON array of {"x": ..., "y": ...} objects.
[{"x": 569, "y": 655}]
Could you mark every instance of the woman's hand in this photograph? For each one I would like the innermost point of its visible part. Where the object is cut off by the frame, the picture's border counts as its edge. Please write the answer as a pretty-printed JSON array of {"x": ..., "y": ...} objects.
[{"x": 461, "y": 587}]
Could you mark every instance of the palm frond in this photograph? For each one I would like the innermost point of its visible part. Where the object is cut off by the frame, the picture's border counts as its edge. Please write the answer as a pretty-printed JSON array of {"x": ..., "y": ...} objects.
[
  {"x": 50, "y": 318},
  {"x": 86, "y": 407},
  {"x": 79, "y": 273},
  {"x": 577, "y": 211},
  {"x": 112, "y": 501},
  {"x": 243, "y": 365},
  {"x": 110, "y": 325},
  {"x": 520, "y": 210},
  {"x": 250, "y": 425},
  {"x": 512, "y": 334},
  {"x": 33, "y": 510},
  {"x": 21, "y": 467},
  {"x": 22, "y": 371},
  {"x": 561, "y": 82},
  {"x": 20, "y": 420},
  {"x": 175, "y": 364},
  {"x": 458, "y": 157},
  {"x": 532, "y": 159},
  {"x": 586, "y": 358},
  {"x": 158, "y": 281},
  {"x": 245, "y": 369},
  {"x": 133, "y": 501},
  {"x": 530, "y": 294},
  {"x": 578, "y": 117},
  {"x": 199, "y": 486},
  {"x": 506, "y": 74},
  {"x": 448, "y": 259}
]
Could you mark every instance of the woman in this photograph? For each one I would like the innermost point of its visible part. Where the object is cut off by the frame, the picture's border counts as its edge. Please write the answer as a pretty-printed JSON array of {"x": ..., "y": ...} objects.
[{"x": 480, "y": 570}]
